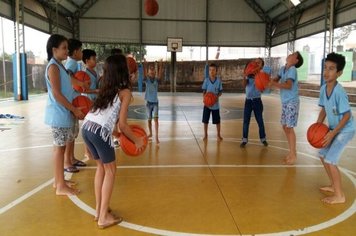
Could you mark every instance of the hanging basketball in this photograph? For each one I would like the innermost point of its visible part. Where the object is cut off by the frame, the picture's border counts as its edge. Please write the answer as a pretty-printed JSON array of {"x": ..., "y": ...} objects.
[
  {"x": 128, "y": 146},
  {"x": 209, "y": 99},
  {"x": 82, "y": 76},
  {"x": 131, "y": 63},
  {"x": 316, "y": 133},
  {"x": 261, "y": 80},
  {"x": 82, "y": 102},
  {"x": 151, "y": 7}
]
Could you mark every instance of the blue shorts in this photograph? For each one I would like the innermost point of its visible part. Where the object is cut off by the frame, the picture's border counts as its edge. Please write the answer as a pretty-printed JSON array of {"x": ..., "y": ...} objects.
[
  {"x": 332, "y": 153},
  {"x": 290, "y": 112},
  {"x": 99, "y": 148},
  {"x": 215, "y": 115},
  {"x": 152, "y": 110},
  {"x": 61, "y": 136}
]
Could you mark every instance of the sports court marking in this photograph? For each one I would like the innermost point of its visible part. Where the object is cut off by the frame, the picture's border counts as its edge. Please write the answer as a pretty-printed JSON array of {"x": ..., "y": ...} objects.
[{"x": 343, "y": 216}]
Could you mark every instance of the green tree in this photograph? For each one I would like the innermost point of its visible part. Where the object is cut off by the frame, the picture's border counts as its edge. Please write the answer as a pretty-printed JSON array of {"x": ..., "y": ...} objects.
[
  {"x": 7, "y": 57},
  {"x": 104, "y": 50}
]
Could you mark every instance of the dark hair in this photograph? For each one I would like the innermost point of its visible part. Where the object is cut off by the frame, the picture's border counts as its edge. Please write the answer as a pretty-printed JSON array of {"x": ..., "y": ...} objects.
[
  {"x": 87, "y": 53},
  {"x": 300, "y": 60},
  {"x": 115, "y": 78},
  {"x": 73, "y": 44},
  {"x": 263, "y": 62},
  {"x": 116, "y": 51},
  {"x": 53, "y": 42},
  {"x": 338, "y": 59},
  {"x": 213, "y": 65}
]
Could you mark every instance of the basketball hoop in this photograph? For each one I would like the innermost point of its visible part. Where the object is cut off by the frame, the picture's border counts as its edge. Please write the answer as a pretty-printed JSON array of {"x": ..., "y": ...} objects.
[{"x": 174, "y": 44}]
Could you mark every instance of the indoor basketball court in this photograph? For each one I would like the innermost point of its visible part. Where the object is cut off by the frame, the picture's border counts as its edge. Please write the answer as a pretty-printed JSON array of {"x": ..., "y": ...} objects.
[{"x": 183, "y": 185}]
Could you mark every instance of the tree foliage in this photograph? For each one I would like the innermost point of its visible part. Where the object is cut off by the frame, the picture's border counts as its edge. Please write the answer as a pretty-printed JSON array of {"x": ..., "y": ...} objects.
[{"x": 104, "y": 50}]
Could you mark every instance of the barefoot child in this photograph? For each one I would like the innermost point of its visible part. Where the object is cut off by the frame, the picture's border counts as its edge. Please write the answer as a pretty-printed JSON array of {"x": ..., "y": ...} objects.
[
  {"x": 110, "y": 107},
  {"x": 287, "y": 82},
  {"x": 212, "y": 84},
  {"x": 335, "y": 107},
  {"x": 59, "y": 108}
]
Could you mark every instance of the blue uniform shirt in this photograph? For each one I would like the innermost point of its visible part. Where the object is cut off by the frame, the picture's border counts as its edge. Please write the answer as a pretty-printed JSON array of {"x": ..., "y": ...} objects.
[
  {"x": 336, "y": 105},
  {"x": 94, "y": 78},
  {"x": 56, "y": 115},
  {"x": 251, "y": 91},
  {"x": 213, "y": 87},
  {"x": 151, "y": 94},
  {"x": 289, "y": 95},
  {"x": 71, "y": 65}
]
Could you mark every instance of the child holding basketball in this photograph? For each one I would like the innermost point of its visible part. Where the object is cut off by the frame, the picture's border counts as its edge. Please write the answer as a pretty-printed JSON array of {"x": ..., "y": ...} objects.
[
  {"x": 253, "y": 102},
  {"x": 287, "y": 82},
  {"x": 59, "y": 108},
  {"x": 335, "y": 106},
  {"x": 75, "y": 55},
  {"x": 213, "y": 85},
  {"x": 110, "y": 106},
  {"x": 151, "y": 95}
]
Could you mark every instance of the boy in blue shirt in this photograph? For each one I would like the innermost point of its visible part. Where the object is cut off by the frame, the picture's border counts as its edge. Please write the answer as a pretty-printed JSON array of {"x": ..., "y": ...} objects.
[
  {"x": 212, "y": 84},
  {"x": 253, "y": 102},
  {"x": 151, "y": 95},
  {"x": 287, "y": 82},
  {"x": 335, "y": 107}
]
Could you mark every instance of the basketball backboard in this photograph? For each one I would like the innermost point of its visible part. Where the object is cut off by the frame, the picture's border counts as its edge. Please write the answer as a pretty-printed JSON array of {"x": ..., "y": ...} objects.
[{"x": 174, "y": 44}]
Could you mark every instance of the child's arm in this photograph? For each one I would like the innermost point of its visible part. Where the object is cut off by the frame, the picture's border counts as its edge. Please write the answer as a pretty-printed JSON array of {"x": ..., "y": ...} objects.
[
  {"x": 244, "y": 81},
  {"x": 125, "y": 97},
  {"x": 322, "y": 115},
  {"x": 54, "y": 79},
  {"x": 145, "y": 68},
  {"x": 160, "y": 69},
  {"x": 85, "y": 85},
  {"x": 332, "y": 133},
  {"x": 286, "y": 85}
]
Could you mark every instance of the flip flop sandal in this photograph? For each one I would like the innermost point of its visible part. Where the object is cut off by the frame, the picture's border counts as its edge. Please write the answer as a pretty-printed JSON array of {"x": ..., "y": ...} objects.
[
  {"x": 79, "y": 163},
  {"x": 71, "y": 169}
]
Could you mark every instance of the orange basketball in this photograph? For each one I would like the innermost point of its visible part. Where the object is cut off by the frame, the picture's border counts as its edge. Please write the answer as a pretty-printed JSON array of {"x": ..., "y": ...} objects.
[
  {"x": 209, "y": 99},
  {"x": 251, "y": 68},
  {"x": 151, "y": 7},
  {"x": 82, "y": 102},
  {"x": 261, "y": 80},
  {"x": 128, "y": 146},
  {"x": 316, "y": 133},
  {"x": 81, "y": 76},
  {"x": 131, "y": 63}
]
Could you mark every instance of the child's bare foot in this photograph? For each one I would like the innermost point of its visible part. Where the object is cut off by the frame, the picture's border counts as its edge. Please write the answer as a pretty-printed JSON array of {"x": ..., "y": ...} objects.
[
  {"x": 149, "y": 136},
  {"x": 157, "y": 140},
  {"x": 327, "y": 189},
  {"x": 69, "y": 183},
  {"x": 219, "y": 138},
  {"x": 205, "y": 138},
  {"x": 334, "y": 199},
  {"x": 110, "y": 220},
  {"x": 66, "y": 191}
]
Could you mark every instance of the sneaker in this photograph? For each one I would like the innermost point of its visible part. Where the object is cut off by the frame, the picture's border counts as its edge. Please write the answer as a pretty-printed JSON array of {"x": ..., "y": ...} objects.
[
  {"x": 243, "y": 144},
  {"x": 265, "y": 143}
]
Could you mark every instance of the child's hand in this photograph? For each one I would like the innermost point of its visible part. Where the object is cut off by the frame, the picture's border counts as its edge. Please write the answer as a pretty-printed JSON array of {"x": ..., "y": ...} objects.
[
  {"x": 328, "y": 138},
  {"x": 139, "y": 143},
  {"x": 85, "y": 85},
  {"x": 78, "y": 113}
]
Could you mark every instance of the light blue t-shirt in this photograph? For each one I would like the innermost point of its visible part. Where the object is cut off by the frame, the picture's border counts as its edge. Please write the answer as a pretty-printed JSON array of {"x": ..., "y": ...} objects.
[
  {"x": 56, "y": 115},
  {"x": 213, "y": 87},
  {"x": 251, "y": 91},
  {"x": 336, "y": 105},
  {"x": 71, "y": 65},
  {"x": 151, "y": 92},
  {"x": 94, "y": 78},
  {"x": 289, "y": 95}
]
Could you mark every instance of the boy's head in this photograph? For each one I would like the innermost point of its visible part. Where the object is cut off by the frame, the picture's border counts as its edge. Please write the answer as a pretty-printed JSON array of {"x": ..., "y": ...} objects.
[
  {"x": 338, "y": 59},
  {"x": 295, "y": 59},
  {"x": 75, "y": 49},
  {"x": 213, "y": 68},
  {"x": 116, "y": 51},
  {"x": 151, "y": 71},
  {"x": 89, "y": 57}
]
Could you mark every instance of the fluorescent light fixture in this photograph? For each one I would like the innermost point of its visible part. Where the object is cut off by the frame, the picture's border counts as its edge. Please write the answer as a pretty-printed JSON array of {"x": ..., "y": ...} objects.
[{"x": 295, "y": 2}]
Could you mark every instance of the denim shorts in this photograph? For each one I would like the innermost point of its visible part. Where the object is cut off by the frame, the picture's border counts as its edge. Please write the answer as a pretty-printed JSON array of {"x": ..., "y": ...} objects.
[
  {"x": 99, "y": 148},
  {"x": 214, "y": 113},
  {"x": 332, "y": 153},
  {"x": 61, "y": 136},
  {"x": 290, "y": 112},
  {"x": 152, "y": 110}
]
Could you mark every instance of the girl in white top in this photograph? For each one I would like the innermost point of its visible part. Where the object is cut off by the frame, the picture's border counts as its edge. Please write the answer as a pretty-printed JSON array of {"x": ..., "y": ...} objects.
[{"x": 109, "y": 108}]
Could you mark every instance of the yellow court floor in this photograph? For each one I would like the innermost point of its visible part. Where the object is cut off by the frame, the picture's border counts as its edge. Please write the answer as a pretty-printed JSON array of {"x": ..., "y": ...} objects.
[{"x": 183, "y": 186}]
